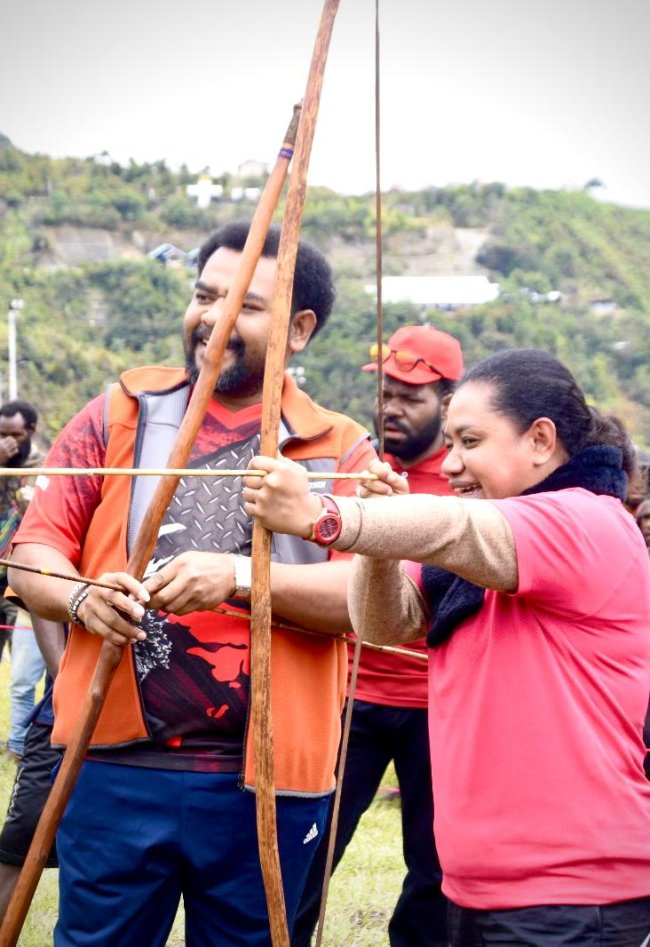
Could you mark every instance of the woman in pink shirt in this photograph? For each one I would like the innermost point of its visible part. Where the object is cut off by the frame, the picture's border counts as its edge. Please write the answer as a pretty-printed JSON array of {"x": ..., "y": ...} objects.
[{"x": 537, "y": 607}]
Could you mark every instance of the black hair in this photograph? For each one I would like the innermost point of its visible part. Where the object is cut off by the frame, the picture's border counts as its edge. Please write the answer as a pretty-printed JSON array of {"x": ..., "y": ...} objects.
[
  {"x": 529, "y": 384},
  {"x": 444, "y": 387},
  {"x": 28, "y": 411},
  {"x": 313, "y": 284}
]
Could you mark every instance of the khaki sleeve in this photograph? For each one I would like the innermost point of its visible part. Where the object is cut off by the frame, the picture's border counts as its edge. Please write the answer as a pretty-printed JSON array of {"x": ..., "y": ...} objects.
[
  {"x": 471, "y": 538},
  {"x": 385, "y": 606}
]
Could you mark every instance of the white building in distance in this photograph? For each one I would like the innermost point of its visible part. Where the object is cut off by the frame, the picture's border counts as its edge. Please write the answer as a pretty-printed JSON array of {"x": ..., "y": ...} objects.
[
  {"x": 251, "y": 168},
  {"x": 437, "y": 292}
]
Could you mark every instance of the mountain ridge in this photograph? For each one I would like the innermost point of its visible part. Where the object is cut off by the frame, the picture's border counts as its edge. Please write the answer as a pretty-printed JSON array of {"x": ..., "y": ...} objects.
[{"x": 75, "y": 235}]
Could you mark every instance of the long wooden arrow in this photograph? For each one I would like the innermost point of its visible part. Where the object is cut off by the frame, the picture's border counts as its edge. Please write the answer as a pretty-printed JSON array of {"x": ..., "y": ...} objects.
[{"x": 171, "y": 472}]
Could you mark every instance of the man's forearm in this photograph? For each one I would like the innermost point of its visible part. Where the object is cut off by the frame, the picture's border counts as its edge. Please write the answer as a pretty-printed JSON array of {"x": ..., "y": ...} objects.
[
  {"x": 312, "y": 596},
  {"x": 43, "y": 595}
]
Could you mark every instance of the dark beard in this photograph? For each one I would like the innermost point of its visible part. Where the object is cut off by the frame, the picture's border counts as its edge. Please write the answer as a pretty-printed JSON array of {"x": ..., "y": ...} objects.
[
  {"x": 21, "y": 455},
  {"x": 238, "y": 379},
  {"x": 416, "y": 444}
]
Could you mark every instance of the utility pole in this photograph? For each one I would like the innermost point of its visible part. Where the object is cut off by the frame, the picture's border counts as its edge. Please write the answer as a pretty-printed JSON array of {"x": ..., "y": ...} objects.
[{"x": 14, "y": 308}]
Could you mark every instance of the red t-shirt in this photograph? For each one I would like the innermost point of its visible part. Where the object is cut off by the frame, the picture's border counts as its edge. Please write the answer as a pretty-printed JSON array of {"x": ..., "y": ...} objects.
[
  {"x": 193, "y": 670},
  {"x": 396, "y": 680},
  {"x": 536, "y": 709}
]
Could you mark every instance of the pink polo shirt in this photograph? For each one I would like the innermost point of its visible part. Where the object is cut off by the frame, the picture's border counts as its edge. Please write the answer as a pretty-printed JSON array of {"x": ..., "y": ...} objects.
[{"x": 536, "y": 715}]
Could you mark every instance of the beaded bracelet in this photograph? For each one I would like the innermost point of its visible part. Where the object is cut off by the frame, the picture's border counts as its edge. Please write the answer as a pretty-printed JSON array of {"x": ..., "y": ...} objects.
[{"x": 79, "y": 594}]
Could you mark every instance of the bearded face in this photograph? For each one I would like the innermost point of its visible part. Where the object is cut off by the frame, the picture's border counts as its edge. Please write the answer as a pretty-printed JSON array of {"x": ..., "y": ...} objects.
[
  {"x": 412, "y": 419},
  {"x": 243, "y": 372}
]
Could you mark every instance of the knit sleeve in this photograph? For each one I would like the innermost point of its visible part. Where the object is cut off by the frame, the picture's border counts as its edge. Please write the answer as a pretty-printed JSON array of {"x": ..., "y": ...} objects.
[
  {"x": 385, "y": 604},
  {"x": 471, "y": 538}
]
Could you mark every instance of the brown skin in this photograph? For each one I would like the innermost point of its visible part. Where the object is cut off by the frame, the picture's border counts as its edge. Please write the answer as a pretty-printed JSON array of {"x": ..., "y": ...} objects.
[
  {"x": 412, "y": 414},
  {"x": 488, "y": 456},
  {"x": 9, "y": 875},
  {"x": 248, "y": 341},
  {"x": 643, "y": 520},
  {"x": 636, "y": 490},
  {"x": 14, "y": 432},
  {"x": 313, "y": 596}
]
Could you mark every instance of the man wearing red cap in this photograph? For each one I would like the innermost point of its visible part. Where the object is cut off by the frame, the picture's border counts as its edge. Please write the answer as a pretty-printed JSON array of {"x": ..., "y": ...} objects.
[{"x": 389, "y": 723}]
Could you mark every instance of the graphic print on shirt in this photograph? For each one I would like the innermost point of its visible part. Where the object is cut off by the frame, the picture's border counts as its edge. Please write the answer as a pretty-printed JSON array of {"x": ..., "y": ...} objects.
[{"x": 194, "y": 669}]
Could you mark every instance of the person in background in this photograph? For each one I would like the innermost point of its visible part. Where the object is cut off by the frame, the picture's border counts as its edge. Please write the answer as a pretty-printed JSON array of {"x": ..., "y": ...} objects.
[
  {"x": 389, "y": 722},
  {"x": 638, "y": 481},
  {"x": 535, "y": 590},
  {"x": 18, "y": 424},
  {"x": 18, "y": 421},
  {"x": 28, "y": 669},
  {"x": 34, "y": 773},
  {"x": 642, "y": 517}
]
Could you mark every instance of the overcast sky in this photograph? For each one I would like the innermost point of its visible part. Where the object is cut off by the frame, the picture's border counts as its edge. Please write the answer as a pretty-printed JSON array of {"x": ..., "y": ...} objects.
[{"x": 546, "y": 93}]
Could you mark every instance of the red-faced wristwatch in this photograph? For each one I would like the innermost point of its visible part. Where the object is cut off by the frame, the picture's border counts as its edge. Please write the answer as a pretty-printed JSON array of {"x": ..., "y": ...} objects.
[{"x": 327, "y": 527}]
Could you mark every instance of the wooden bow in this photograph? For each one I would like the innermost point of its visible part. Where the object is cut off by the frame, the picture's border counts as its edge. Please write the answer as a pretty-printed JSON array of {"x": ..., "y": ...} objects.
[
  {"x": 359, "y": 643},
  {"x": 261, "y": 550},
  {"x": 144, "y": 545}
]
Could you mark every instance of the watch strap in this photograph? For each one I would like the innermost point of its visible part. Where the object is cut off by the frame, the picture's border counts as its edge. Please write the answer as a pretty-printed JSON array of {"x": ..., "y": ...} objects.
[
  {"x": 243, "y": 574},
  {"x": 329, "y": 516}
]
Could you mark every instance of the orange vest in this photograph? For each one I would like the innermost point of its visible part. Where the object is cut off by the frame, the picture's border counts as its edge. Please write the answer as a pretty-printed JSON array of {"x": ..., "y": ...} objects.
[{"x": 308, "y": 673}]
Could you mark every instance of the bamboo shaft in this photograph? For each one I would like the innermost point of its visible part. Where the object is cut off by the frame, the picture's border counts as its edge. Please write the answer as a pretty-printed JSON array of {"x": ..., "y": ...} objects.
[
  {"x": 169, "y": 472},
  {"x": 22, "y": 567}
]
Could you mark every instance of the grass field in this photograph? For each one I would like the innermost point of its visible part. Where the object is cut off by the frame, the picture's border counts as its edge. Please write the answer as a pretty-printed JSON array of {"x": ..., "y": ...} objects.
[{"x": 362, "y": 892}]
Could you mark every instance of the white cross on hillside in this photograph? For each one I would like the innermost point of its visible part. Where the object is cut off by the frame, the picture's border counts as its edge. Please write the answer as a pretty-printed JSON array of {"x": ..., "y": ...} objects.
[{"x": 204, "y": 190}]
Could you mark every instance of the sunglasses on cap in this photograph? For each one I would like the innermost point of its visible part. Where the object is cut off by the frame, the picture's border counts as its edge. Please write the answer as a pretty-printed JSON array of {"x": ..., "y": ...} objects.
[{"x": 405, "y": 361}]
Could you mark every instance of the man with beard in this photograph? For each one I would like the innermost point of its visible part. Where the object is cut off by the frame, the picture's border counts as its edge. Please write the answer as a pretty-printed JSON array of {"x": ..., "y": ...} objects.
[
  {"x": 158, "y": 810},
  {"x": 389, "y": 722}
]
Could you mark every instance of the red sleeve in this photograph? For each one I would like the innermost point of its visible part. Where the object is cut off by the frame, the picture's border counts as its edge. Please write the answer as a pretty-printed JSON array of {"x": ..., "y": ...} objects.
[
  {"x": 357, "y": 458},
  {"x": 61, "y": 509}
]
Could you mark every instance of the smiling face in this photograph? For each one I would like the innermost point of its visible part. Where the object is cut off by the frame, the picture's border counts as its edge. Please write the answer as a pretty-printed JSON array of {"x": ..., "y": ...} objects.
[
  {"x": 242, "y": 375},
  {"x": 489, "y": 457},
  {"x": 242, "y": 372}
]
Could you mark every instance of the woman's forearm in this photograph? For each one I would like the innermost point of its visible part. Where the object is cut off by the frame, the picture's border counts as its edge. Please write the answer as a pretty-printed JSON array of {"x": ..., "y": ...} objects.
[{"x": 468, "y": 537}]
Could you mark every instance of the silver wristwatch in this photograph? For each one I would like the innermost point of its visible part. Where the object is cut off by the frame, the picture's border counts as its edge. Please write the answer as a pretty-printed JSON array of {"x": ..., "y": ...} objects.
[{"x": 243, "y": 577}]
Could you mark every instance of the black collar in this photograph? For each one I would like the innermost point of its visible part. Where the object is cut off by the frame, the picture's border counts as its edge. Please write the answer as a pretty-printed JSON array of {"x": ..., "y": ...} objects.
[{"x": 598, "y": 469}]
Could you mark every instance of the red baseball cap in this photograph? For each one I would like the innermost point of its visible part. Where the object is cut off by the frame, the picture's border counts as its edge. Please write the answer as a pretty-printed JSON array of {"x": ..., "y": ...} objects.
[{"x": 436, "y": 355}]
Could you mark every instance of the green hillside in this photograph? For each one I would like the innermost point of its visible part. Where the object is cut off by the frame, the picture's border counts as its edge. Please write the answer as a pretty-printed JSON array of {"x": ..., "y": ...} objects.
[{"x": 574, "y": 276}]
